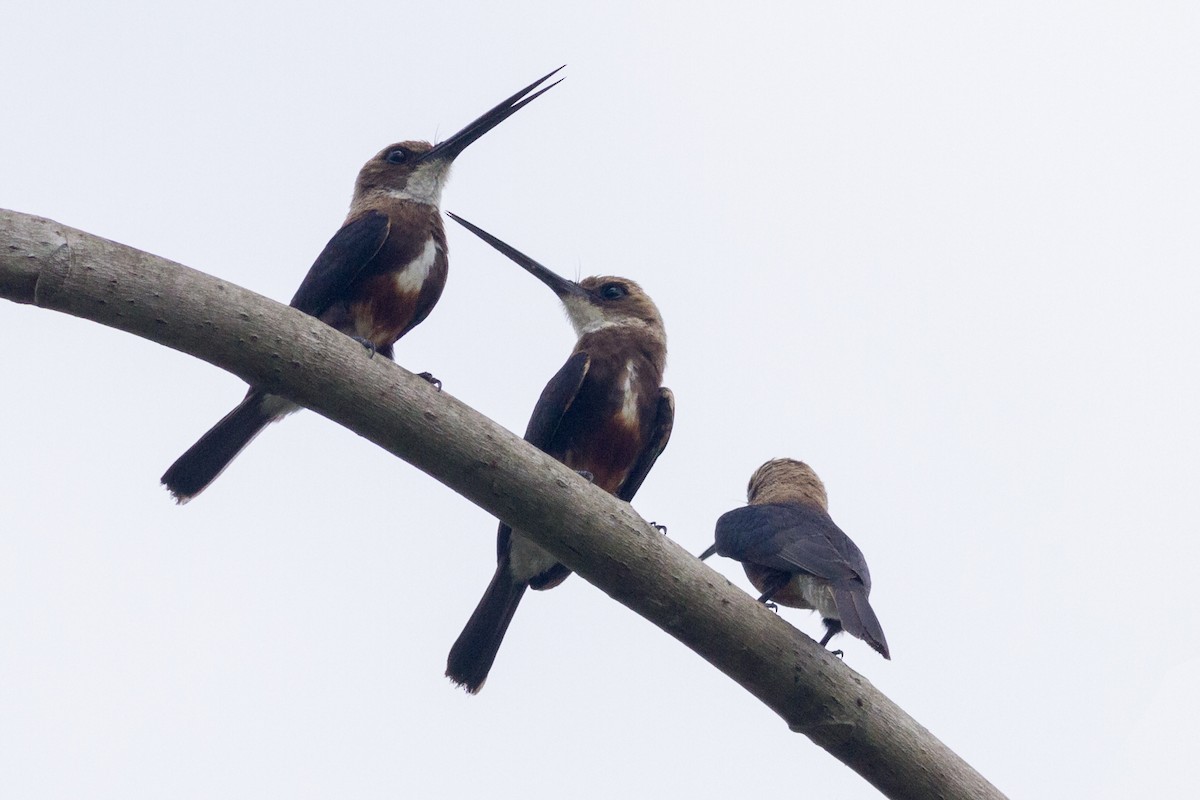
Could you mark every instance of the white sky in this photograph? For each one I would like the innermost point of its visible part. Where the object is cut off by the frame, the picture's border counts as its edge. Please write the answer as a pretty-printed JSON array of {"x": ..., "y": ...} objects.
[{"x": 946, "y": 255}]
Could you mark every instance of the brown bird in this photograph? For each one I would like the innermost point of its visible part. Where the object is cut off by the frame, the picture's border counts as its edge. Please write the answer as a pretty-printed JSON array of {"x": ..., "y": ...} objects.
[
  {"x": 605, "y": 413},
  {"x": 794, "y": 554},
  {"x": 377, "y": 279}
]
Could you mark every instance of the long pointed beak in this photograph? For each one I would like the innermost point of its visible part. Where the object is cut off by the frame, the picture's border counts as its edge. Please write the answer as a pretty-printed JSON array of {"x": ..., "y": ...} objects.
[
  {"x": 449, "y": 149},
  {"x": 708, "y": 552},
  {"x": 559, "y": 285}
]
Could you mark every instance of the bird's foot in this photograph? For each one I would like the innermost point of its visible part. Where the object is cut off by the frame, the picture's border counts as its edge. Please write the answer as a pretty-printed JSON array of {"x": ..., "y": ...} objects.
[
  {"x": 432, "y": 381},
  {"x": 836, "y": 653},
  {"x": 772, "y": 606},
  {"x": 367, "y": 343},
  {"x": 660, "y": 528},
  {"x": 587, "y": 476}
]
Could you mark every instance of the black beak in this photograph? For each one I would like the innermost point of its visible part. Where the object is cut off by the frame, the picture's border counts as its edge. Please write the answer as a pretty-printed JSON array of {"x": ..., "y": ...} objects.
[
  {"x": 559, "y": 285},
  {"x": 450, "y": 148},
  {"x": 708, "y": 552}
]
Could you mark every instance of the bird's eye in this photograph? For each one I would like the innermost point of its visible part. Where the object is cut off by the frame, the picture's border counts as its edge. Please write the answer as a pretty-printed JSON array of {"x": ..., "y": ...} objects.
[
  {"x": 397, "y": 156},
  {"x": 612, "y": 291}
]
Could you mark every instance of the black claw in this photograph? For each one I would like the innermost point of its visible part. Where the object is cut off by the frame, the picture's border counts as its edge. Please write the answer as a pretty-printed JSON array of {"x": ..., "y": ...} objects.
[
  {"x": 367, "y": 343},
  {"x": 660, "y": 528},
  {"x": 587, "y": 476},
  {"x": 772, "y": 606},
  {"x": 428, "y": 378},
  {"x": 836, "y": 653}
]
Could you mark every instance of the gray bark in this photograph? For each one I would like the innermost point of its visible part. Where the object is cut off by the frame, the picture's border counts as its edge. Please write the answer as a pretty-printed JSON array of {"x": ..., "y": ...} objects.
[{"x": 608, "y": 544}]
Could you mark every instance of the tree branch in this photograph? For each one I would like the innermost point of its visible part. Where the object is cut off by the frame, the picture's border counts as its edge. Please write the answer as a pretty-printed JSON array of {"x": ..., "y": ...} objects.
[{"x": 603, "y": 539}]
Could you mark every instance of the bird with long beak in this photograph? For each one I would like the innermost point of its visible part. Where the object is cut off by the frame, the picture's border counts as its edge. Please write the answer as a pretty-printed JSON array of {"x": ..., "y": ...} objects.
[
  {"x": 605, "y": 413},
  {"x": 377, "y": 278},
  {"x": 794, "y": 554}
]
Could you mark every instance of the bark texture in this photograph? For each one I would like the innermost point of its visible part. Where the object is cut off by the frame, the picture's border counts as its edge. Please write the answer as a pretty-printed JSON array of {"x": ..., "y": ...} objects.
[{"x": 608, "y": 544}]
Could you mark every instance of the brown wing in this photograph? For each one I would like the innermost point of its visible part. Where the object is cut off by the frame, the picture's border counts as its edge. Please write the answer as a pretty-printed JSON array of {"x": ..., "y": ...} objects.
[
  {"x": 556, "y": 400},
  {"x": 350, "y": 249},
  {"x": 660, "y": 434},
  {"x": 553, "y": 403}
]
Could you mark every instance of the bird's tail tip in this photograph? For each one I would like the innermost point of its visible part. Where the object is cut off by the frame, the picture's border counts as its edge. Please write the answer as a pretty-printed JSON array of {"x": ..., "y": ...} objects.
[
  {"x": 466, "y": 684},
  {"x": 181, "y": 498},
  {"x": 859, "y": 620},
  {"x": 881, "y": 648},
  {"x": 473, "y": 653},
  {"x": 200, "y": 465}
]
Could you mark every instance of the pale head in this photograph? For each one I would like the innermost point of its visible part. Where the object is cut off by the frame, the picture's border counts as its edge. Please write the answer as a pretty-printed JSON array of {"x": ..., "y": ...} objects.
[
  {"x": 402, "y": 172},
  {"x": 417, "y": 171},
  {"x": 606, "y": 301},
  {"x": 593, "y": 304},
  {"x": 786, "y": 480}
]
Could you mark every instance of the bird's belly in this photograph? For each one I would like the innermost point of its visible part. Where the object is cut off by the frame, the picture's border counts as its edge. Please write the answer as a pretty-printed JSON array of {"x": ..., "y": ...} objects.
[
  {"x": 383, "y": 314},
  {"x": 609, "y": 453},
  {"x": 391, "y": 301},
  {"x": 801, "y": 591},
  {"x": 608, "y": 450},
  {"x": 527, "y": 560}
]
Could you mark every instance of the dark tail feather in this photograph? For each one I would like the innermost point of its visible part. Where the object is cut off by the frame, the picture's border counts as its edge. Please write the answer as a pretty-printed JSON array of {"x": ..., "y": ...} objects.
[
  {"x": 472, "y": 655},
  {"x": 858, "y": 619},
  {"x": 207, "y": 458}
]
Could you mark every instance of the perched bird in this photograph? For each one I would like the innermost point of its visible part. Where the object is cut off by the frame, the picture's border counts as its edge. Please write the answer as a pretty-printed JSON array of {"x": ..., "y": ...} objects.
[
  {"x": 794, "y": 554},
  {"x": 377, "y": 279},
  {"x": 605, "y": 413}
]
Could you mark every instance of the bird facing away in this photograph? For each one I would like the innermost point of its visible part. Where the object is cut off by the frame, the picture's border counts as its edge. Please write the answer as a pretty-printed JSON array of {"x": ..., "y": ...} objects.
[
  {"x": 605, "y": 412},
  {"x": 377, "y": 278},
  {"x": 794, "y": 554}
]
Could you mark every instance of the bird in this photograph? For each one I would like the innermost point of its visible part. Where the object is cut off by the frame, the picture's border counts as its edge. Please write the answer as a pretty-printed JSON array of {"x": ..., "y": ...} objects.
[
  {"x": 377, "y": 278},
  {"x": 604, "y": 413},
  {"x": 794, "y": 553}
]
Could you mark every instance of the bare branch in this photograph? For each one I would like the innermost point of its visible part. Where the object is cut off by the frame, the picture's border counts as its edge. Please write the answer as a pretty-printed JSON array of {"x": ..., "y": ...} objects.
[{"x": 600, "y": 537}]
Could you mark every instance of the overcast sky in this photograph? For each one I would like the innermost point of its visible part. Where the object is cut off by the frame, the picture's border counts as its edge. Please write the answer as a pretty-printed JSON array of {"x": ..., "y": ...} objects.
[{"x": 947, "y": 255}]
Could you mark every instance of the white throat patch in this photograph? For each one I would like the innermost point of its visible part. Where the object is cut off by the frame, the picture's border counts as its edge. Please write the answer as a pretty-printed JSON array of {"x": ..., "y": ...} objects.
[
  {"x": 588, "y": 318},
  {"x": 425, "y": 184}
]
